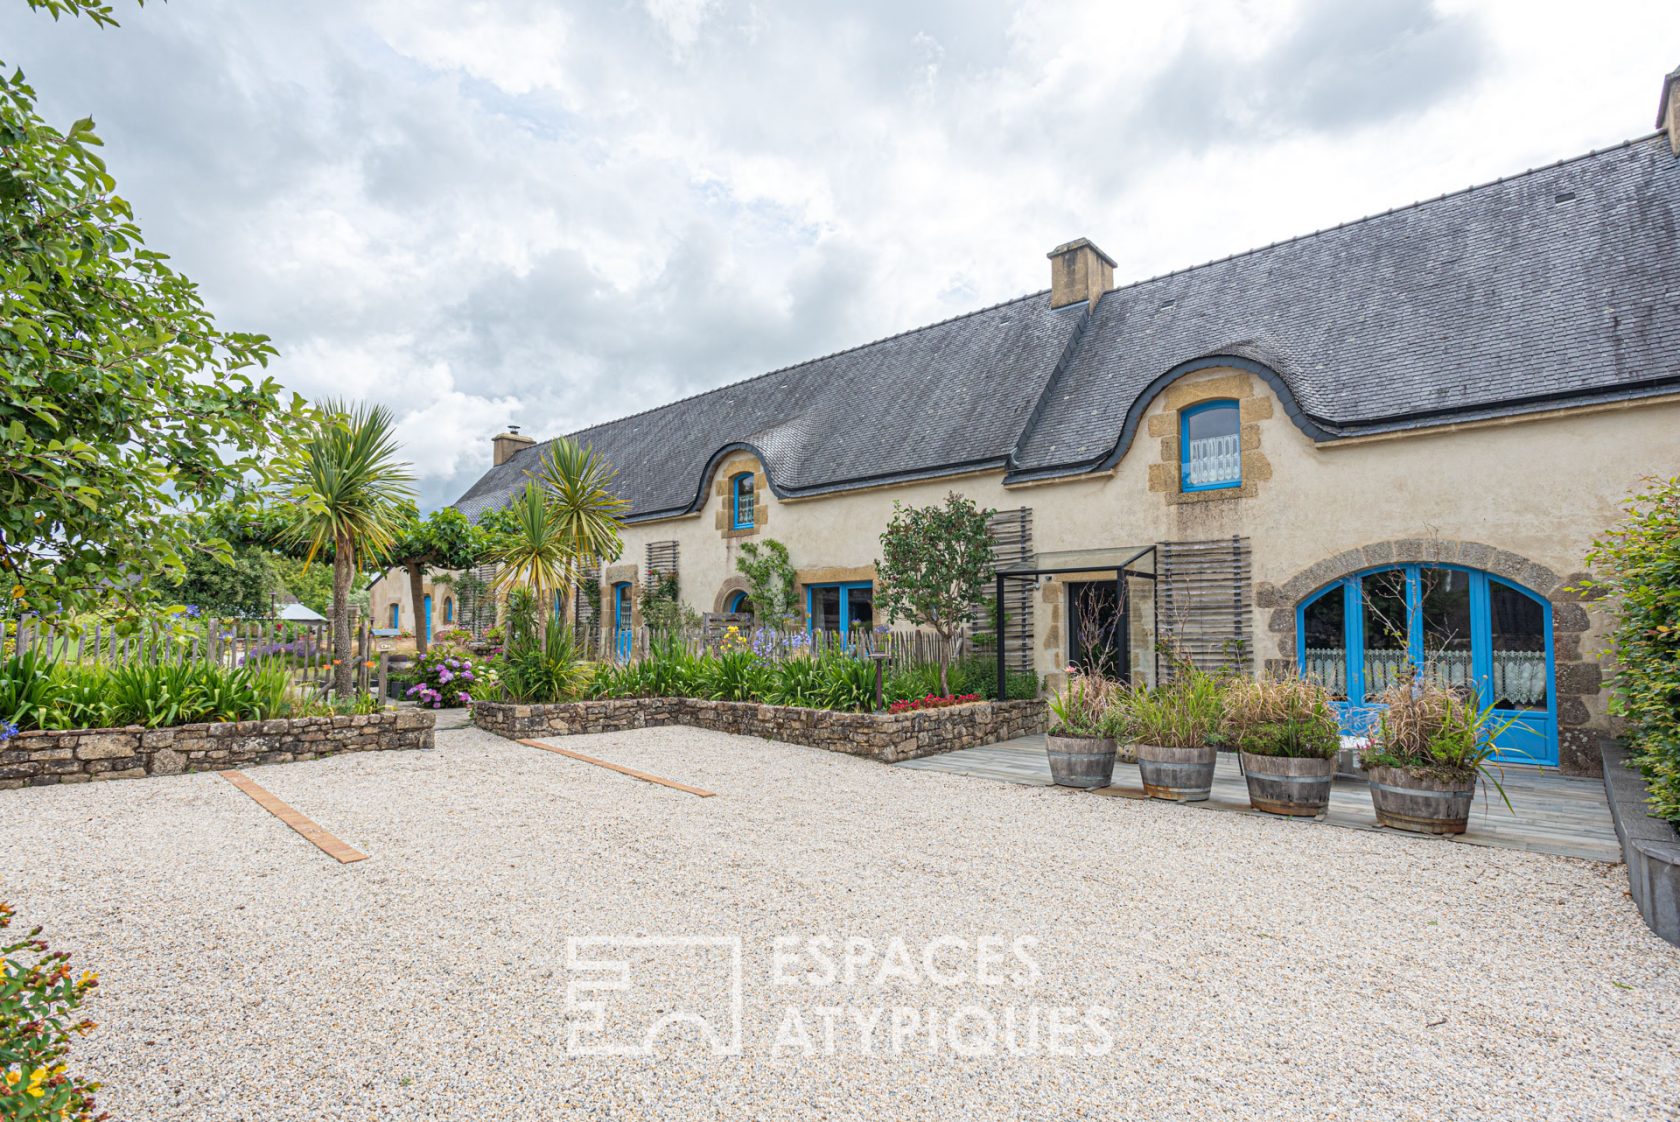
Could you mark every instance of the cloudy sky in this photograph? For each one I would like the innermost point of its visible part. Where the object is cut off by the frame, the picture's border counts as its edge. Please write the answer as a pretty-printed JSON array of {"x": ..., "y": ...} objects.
[{"x": 489, "y": 211}]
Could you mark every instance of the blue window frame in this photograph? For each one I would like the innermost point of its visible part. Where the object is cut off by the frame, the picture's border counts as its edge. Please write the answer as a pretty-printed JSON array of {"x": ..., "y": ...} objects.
[
  {"x": 742, "y": 507},
  {"x": 448, "y": 610},
  {"x": 1210, "y": 446},
  {"x": 396, "y": 617},
  {"x": 738, "y": 604},
  {"x": 840, "y": 608},
  {"x": 623, "y": 619},
  {"x": 1472, "y": 629}
]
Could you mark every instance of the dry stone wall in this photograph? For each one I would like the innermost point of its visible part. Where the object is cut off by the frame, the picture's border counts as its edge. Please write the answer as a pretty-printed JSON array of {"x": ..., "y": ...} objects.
[
  {"x": 35, "y": 759},
  {"x": 880, "y": 736}
]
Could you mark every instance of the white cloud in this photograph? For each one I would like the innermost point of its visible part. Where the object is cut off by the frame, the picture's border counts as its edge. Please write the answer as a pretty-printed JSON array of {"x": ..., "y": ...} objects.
[{"x": 519, "y": 210}]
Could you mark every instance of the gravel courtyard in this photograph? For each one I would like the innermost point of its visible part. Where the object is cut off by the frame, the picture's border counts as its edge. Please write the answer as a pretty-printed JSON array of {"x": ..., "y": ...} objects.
[{"x": 1240, "y": 968}]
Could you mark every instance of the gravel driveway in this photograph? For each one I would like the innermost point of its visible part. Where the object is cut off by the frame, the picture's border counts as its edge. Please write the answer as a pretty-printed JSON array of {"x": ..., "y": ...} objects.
[{"x": 1237, "y": 967}]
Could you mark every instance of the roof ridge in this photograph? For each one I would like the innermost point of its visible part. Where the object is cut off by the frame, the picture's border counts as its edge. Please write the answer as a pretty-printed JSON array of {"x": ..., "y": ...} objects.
[
  {"x": 1391, "y": 211},
  {"x": 796, "y": 365}
]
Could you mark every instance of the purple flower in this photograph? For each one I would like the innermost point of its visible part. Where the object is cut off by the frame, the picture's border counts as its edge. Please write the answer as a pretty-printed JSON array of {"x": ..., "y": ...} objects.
[
  {"x": 466, "y": 676},
  {"x": 7, "y": 731},
  {"x": 444, "y": 676}
]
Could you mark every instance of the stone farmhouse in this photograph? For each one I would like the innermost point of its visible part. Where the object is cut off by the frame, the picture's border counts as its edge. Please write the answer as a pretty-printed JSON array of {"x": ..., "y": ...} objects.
[{"x": 1381, "y": 443}]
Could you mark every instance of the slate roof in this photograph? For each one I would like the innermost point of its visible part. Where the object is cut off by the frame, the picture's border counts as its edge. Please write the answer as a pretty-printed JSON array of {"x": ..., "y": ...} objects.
[
  {"x": 954, "y": 393},
  {"x": 1557, "y": 286}
]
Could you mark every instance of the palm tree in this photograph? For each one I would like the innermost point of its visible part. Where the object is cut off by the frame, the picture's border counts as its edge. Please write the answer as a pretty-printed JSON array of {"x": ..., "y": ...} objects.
[
  {"x": 532, "y": 554},
  {"x": 347, "y": 494},
  {"x": 567, "y": 519}
]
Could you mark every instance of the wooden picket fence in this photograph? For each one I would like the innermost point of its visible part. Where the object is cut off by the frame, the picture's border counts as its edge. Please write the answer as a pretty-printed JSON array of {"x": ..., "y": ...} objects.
[{"x": 305, "y": 646}]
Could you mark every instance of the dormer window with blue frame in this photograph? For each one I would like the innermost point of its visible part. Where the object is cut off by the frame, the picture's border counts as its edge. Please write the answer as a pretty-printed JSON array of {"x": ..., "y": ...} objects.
[
  {"x": 1210, "y": 447},
  {"x": 741, "y": 502}
]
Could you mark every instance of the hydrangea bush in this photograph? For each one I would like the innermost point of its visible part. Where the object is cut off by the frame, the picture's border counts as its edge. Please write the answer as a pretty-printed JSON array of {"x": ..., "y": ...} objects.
[{"x": 445, "y": 679}]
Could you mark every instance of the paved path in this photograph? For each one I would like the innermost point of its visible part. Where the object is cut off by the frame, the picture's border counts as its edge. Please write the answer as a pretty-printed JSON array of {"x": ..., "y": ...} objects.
[{"x": 1553, "y": 813}]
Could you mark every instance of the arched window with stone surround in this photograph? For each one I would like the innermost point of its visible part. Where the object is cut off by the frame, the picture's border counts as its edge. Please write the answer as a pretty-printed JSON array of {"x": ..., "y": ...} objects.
[{"x": 1364, "y": 632}]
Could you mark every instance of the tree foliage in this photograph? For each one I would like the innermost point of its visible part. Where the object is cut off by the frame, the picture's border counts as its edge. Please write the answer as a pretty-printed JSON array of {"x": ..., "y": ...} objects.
[
  {"x": 127, "y": 411},
  {"x": 444, "y": 539},
  {"x": 567, "y": 520},
  {"x": 348, "y": 491},
  {"x": 935, "y": 562},
  {"x": 1637, "y": 568},
  {"x": 770, "y": 573}
]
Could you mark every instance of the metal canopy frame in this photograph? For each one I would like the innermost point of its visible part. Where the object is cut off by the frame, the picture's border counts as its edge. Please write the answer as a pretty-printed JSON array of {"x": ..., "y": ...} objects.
[{"x": 1121, "y": 571}]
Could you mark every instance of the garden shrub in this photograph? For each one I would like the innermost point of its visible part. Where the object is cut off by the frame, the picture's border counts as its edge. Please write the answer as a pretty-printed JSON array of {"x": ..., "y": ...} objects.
[
  {"x": 444, "y": 678},
  {"x": 544, "y": 669},
  {"x": 38, "y": 1004},
  {"x": 1637, "y": 566},
  {"x": 36, "y": 693}
]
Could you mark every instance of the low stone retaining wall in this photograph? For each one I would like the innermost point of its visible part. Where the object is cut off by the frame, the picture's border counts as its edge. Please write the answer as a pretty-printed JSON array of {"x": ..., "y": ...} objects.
[
  {"x": 889, "y": 737},
  {"x": 1650, "y": 846},
  {"x": 34, "y": 759}
]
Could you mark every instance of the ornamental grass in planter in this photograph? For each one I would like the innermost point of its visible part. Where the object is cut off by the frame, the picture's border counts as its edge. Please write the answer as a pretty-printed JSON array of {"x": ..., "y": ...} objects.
[
  {"x": 1078, "y": 744},
  {"x": 1431, "y": 747},
  {"x": 1176, "y": 729},
  {"x": 1287, "y": 735}
]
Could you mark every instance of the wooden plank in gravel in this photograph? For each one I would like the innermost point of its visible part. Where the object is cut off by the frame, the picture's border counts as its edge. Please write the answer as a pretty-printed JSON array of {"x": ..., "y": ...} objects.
[
  {"x": 620, "y": 768},
  {"x": 310, "y": 832}
]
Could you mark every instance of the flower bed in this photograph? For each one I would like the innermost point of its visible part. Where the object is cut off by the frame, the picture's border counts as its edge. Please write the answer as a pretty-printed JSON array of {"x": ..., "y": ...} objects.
[
  {"x": 889, "y": 737},
  {"x": 932, "y": 701},
  {"x": 35, "y": 759}
]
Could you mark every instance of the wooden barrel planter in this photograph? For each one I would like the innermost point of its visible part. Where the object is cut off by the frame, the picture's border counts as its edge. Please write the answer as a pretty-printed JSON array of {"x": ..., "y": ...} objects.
[
  {"x": 1419, "y": 803},
  {"x": 1297, "y": 786},
  {"x": 1080, "y": 761},
  {"x": 1183, "y": 775}
]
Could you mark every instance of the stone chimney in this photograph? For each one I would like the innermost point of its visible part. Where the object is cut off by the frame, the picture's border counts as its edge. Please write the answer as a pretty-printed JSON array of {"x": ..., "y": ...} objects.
[
  {"x": 1079, "y": 271},
  {"x": 509, "y": 442},
  {"x": 1668, "y": 110}
]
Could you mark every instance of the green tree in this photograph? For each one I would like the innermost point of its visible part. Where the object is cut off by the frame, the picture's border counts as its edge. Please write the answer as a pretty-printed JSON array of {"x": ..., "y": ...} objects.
[
  {"x": 566, "y": 520},
  {"x": 770, "y": 573},
  {"x": 240, "y": 584},
  {"x": 530, "y": 552},
  {"x": 347, "y": 492},
  {"x": 587, "y": 513},
  {"x": 127, "y": 412},
  {"x": 935, "y": 561},
  {"x": 1636, "y": 568},
  {"x": 444, "y": 539},
  {"x": 309, "y": 582}
]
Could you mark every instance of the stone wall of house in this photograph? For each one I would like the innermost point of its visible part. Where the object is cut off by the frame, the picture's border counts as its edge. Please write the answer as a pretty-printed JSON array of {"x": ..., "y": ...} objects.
[
  {"x": 34, "y": 759},
  {"x": 881, "y": 736}
]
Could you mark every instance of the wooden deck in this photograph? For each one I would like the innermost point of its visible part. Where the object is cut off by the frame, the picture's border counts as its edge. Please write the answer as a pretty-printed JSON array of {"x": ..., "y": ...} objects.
[{"x": 1554, "y": 814}]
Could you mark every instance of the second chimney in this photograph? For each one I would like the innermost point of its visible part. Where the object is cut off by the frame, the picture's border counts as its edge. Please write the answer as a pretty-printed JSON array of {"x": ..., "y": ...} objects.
[
  {"x": 1668, "y": 110},
  {"x": 1079, "y": 271},
  {"x": 507, "y": 443}
]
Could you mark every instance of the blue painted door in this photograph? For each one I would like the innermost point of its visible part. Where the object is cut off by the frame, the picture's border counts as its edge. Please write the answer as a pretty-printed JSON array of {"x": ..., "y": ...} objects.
[
  {"x": 621, "y": 620},
  {"x": 1468, "y": 628},
  {"x": 427, "y": 622}
]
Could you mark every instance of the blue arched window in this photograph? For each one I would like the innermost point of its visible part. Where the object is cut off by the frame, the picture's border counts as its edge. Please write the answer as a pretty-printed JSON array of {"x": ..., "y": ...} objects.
[
  {"x": 741, "y": 501},
  {"x": 396, "y": 617},
  {"x": 448, "y": 610},
  {"x": 1210, "y": 446},
  {"x": 1362, "y": 634},
  {"x": 738, "y": 604}
]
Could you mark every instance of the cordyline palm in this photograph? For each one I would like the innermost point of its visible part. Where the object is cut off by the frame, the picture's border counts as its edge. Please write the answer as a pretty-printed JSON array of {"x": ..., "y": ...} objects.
[
  {"x": 347, "y": 495},
  {"x": 566, "y": 519}
]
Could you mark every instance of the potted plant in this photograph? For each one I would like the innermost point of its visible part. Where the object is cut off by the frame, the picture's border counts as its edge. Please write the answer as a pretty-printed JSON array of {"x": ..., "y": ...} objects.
[
  {"x": 1287, "y": 735},
  {"x": 1176, "y": 729},
  {"x": 1431, "y": 746},
  {"x": 1081, "y": 752}
]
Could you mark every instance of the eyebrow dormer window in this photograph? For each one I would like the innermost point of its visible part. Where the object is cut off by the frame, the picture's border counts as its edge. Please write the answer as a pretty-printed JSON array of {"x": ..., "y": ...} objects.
[
  {"x": 741, "y": 508},
  {"x": 1210, "y": 447}
]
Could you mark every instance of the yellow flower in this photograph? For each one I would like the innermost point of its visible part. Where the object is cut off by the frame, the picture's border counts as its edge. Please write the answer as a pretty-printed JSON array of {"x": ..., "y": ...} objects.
[
  {"x": 12, "y": 1078},
  {"x": 17, "y": 592}
]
